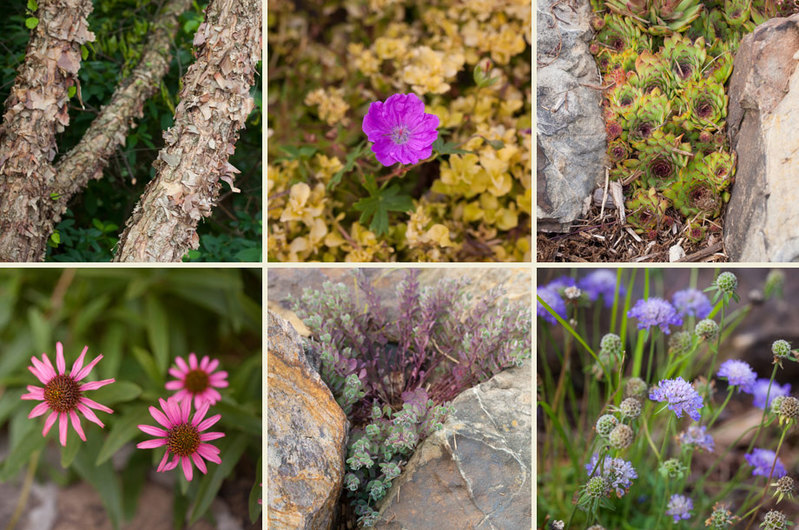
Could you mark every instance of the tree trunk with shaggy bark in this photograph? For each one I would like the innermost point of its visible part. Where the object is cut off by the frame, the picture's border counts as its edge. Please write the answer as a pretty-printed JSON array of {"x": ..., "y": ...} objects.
[
  {"x": 214, "y": 105},
  {"x": 34, "y": 192}
]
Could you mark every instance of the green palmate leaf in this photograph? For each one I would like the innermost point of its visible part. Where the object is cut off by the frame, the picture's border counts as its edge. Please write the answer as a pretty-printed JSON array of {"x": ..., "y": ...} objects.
[
  {"x": 103, "y": 478},
  {"x": 448, "y": 148},
  {"x": 117, "y": 392},
  {"x": 145, "y": 359},
  {"x": 256, "y": 493},
  {"x": 158, "y": 332},
  {"x": 231, "y": 448},
  {"x": 123, "y": 430},
  {"x": 379, "y": 203},
  {"x": 240, "y": 417}
]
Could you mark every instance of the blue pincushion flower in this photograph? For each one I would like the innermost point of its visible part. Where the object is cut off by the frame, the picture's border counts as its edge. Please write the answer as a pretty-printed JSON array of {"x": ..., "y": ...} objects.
[
  {"x": 695, "y": 435},
  {"x": 562, "y": 283},
  {"x": 761, "y": 389},
  {"x": 680, "y": 395},
  {"x": 655, "y": 312},
  {"x": 762, "y": 460},
  {"x": 553, "y": 299},
  {"x": 618, "y": 473},
  {"x": 738, "y": 373},
  {"x": 679, "y": 507},
  {"x": 692, "y": 302},
  {"x": 400, "y": 129},
  {"x": 601, "y": 283}
]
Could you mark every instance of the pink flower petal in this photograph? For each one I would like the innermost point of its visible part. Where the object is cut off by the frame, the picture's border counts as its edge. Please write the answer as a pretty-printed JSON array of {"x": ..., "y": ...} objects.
[
  {"x": 199, "y": 462},
  {"x": 93, "y": 404},
  {"x": 192, "y": 361},
  {"x": 41, "y": 370},
  {"x": 48, "y": 364},
  {"x": 154, "y": 431},
  {"x": 48, "y": 423},
  {"x": 185, "y": 409},
  {"x": 212, "y": 365},
  {"x": 208, "y": 436},
  {"x": 89, "y": 415},
  {"x": 204, "y": 451},
  {"x": 88, "y": 368},
  {"x": 151, "y": 444},
  {"x": 62, "y": 429},
  {"x": 187, "y": 469},
  {"x": 204, "y": 364},
  {"x": 208, "y": 422},
  {"x": 200, "y": 414},
  {"x": 173, "y": 464},
  {"x": 94, "y": 385},
  {"x": 78, "y": 364},
  {"x": 34, "y": 392},
  {"x": 76, "y": 424},
  {"x": 39, "y": 409},
  {"x": 212, "y": 395},
  {"x": 177, "y": 373},
  {"x": 59, "y": 358},
  {"x": 172, "y": 411},
  {"x": 161, "y": 418},
  {"x": 163, "y": 462},
  {"x": 182, "y": 364},
  {"x": 174, "y": 385}
]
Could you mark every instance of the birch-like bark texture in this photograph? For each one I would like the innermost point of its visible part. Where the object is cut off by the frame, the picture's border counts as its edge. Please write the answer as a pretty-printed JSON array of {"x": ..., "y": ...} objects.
[
  {"x": 214, "y": 105},
  {"x": 33, "y": 193},
  {"x": 36, "y": 109}
]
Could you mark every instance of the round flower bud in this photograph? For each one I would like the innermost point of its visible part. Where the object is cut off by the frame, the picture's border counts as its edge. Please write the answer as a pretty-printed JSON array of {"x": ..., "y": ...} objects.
[
  {"x": 635, "y": 387},
  {"x": 605, "y": 424},
  {"x": 707, "y": 329},
  {"x": 611, "y": 345},
  {"x": 776, "y": 404},
  {"x": 630, "y": 408},
  {"x": 597, "y": 486},
  {"x": 774, "y": 520},
  {"x": 672, "y": 468},
  {"x": 721, "y": 517},
  {"x": 621, "y": 437},
  {"x": 785, "y": 486},
  {"x": 680, "y": 343},
  {"x": 727, "y": 282},
  {"x": 781, "y": 348}
]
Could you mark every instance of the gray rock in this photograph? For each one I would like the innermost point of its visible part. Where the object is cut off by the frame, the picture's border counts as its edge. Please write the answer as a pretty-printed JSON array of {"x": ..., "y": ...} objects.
[
  {"x": 307, "y": 436},
  {"x": 571, "y": 139},
  {"x": 762, "y": 220},
  {"x": 476, "y": 471}
]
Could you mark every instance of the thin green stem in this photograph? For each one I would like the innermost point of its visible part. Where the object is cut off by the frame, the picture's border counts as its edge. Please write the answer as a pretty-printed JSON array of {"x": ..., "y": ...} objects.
[{"x": 718, "y": 411}]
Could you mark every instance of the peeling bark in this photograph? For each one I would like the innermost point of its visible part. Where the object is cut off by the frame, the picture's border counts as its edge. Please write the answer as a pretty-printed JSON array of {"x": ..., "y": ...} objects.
[
  {"x": 35, "y": 111},
  {"x": 34, "y": 193},
  {"x": 214, "y": 105}
]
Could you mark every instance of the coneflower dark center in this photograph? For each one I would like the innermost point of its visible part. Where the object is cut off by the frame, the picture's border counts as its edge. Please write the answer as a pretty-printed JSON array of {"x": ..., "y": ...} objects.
[
  {"x": 62, "y": 393},
  {"x": 196, "y": 381},
  {"x": 183, "y": 439}
]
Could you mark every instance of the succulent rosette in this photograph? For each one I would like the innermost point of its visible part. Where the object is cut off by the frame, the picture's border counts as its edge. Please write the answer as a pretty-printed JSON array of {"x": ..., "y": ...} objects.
[
  {"x": 695, "y": 194},
  {"x": 652, "y": 72},
  {"x": 647, "y": 211},
  {"x": 618, "y": 150},
  {"x": 695, "y": 230},
  {"x": 662, "y": 157},
  {"x": 652, "y": 114},
  {"x": 702, "y": 104},
  {"x": 658, "y": 17},
  {"x": 718, "y": 167},
  {"x": 736, "y": 12},
  {"x": 625, "y": 100},
  {"x": 685, "y": 58}
]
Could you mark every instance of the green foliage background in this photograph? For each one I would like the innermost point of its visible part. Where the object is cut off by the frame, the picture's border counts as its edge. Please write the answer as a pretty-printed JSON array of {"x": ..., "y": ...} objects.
[
  {"x": 140, "y": 320},
  {"x": 90, "y": 228}
]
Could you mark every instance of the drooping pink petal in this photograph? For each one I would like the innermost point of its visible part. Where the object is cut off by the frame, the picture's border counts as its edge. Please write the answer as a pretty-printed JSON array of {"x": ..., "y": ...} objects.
[
  {"x": 89, "y": 414},
  {"x": 208, "y": 436},
  {"x": 200, "y": 414},
  {"x": 161, "y": 418},
  {"x": 199, "y": 462},
  {"x": 39, "y": 409},
  {"x": 208, "y": 422},
  {"x": 94, "y": 385},
  {"x": 43, "y": 372},
  {"x": 172, "y": 412},
  {"x": 187, "y": 469},
  {"x": 62, "y": 428},
  {"x": 78, "y": 364},
  {"x": 154, "y": 431},
  {"x": 93, "y": 404},
  {"x": 34, "y": 392},
  {"x": 206, "y": 451},
  {"x": 212, "y": 395},
  {"x": 88, "y": 368},
  {"x": 151, "y": 444},
  {"x": 59, "y": 358},
  {"x": 173, "y": 464},
  {"x": 48, "y": 364},
  {"x": 48, "y": 423},
  {"x": 76, "y": 424},
  {"x": 163, "y": 462}
]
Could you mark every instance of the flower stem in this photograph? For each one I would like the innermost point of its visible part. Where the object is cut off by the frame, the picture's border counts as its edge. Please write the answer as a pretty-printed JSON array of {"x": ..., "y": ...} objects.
[{"x": 768, "y": 480}]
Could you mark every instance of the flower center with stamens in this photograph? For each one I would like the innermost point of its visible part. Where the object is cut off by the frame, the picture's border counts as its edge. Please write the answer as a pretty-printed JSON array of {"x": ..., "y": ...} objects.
[
  {"x": 400, "y": 134},
  {"x": 62, "y": 393},
  {"x": 183, "y": 439},
  {"x": 196, "y": 381}
]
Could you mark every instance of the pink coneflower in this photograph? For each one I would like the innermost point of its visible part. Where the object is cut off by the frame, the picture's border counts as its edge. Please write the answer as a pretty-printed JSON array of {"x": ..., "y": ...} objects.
[
  {"x": 183, "y": 438},
  {"x": 197, "y": 380},
  {"x": 63, "y": 395}
]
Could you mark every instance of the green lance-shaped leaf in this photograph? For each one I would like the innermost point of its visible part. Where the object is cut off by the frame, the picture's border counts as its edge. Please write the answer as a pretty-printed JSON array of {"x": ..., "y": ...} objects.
[
  {"x": 685, "y": 58},
  {"x": 647, "y": 211},
  {"x": 662, "y": 157},
  {"x": 695, "y": 194},
  {"x": 736, "y": 12},
  {"x": 702, "y": 104}
]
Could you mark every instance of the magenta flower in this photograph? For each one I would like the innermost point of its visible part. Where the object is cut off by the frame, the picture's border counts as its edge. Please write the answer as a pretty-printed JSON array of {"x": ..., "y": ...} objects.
[
  {"x": 182, "y": 438},
  {"x": 63, "y": 394},
  {"x": 197, "y": 380},
  {"x": 400, "y": 129}
]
